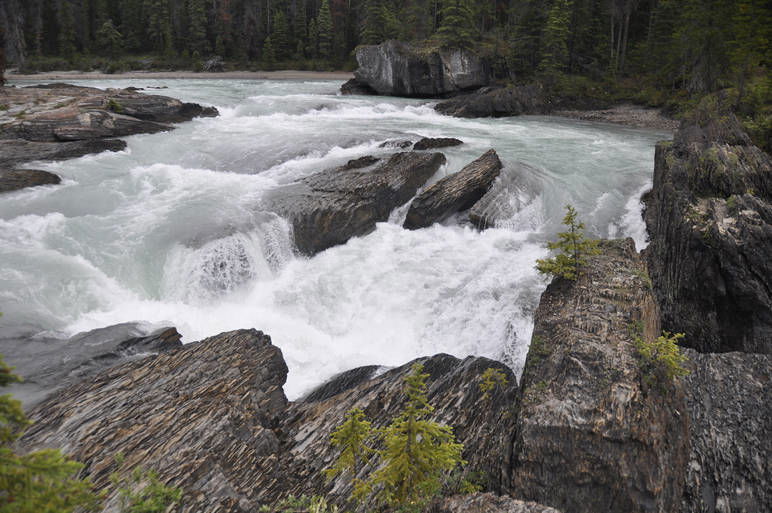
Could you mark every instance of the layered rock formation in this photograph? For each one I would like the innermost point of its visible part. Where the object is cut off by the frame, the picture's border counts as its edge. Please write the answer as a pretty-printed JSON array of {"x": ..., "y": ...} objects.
[
  {"x": 454, "y": 193},
  {"x": 48, "y": 364},
  {"x": 730, "y": 408},
  {"x": 488, "y": 503},
  {"x": 590, "y": 436},
  {"x": 61, "y": 121},
  {"x": 496, "y": 102},
  {"x": 330, "y": 207},
  {"x": 709, "y": 218},
  {"x": 212, "y": 418},
  {"x": 399, "y": 69}
]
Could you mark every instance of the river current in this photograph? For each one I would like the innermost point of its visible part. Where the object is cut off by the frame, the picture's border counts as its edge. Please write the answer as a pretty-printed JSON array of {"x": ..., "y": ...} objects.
[{"x": 171, "y": 230}]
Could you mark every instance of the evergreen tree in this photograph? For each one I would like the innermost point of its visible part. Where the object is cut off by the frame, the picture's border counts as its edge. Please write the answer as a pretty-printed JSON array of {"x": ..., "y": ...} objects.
[
  {"x": 372, "y": 25},
  {"x": 109, "y": 40},
  {"x": 324, "y": 26},
  {"x": 269, "y": 52},
  {"x": 299, "y": 28},
  {"x": 456, "y": 29},
  {"x": 197, "y": 42},
  {"x": 555, "y": 40},
  {"x": 312, "y": 48},
  {"x": 280, "y": 36},
  {"x": 66, "y": 30},
  {"x": 574, "y": 249},
  {"x": 37, "y": 482}
]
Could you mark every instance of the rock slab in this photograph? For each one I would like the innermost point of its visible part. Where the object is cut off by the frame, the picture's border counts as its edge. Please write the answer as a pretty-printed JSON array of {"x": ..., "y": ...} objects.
[
  {"x": 454, "y": 193},
  {"x": 488, "y": 503}
]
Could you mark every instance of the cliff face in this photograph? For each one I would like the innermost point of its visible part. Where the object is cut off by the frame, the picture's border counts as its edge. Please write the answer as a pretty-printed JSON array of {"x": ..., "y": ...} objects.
[
  {"x": 397, "y": 69},
  {"x": 709, "y": 217},
  {"x": 590, "y": 437}
]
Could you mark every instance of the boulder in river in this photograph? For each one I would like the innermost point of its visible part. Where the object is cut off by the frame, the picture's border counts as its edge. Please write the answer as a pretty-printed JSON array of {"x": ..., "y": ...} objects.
[
  {"x": 398, "y": 69},
  {"x": 496, "y": 102},
  {"x": 430, "y": 143},
  {"x": 15, "y": 179},
  {"x": 330, "y": 207},
  {"x": 709, "y": 218},
  {"x": 454, "y": 193}
]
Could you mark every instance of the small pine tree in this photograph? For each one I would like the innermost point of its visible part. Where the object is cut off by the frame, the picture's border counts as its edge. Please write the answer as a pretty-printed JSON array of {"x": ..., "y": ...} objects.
[
  {"x": 555, "y": 39},
  {"x": 312, "y": 46},
  {"x": 324, "y": 26},
  {"x": 574, "y": 249},
  {"x": 67, "y": 39},
  {"x": 198, "y": 20},
  {"x": 269, "y": 53},
  {"x": 456, "y": 30},
  {"x": 372, "y": 27},
  {"x": 661, "y": 360},
  {"x": 280, "y": 36},
  {"x": 109, "y": 39},
  {"x": 37, "y": 482}
]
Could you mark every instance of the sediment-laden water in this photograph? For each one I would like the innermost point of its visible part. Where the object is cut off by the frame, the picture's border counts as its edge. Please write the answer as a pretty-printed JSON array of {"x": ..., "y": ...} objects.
[{"x": 172, "y": 230}]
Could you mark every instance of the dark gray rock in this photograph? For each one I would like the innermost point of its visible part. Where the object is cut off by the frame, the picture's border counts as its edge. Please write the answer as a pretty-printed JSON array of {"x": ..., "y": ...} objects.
[
  {"x": 15, "y": 179},
  {"x": 354, "y": 87},
  {"x": 160, "y": 109},
  {"x": 729, "y": 404},
  {"x": 709, "y": 218},
  {"x": 487, "y": 503},
  {"x": 330, "y": 207},
  {"x": 497, "y": 102},
  {"x": 399, "y": 143},
  {"x": 591, "y": 437},
  {"x": 48, "y": 364},
  {"x": 18, "y": 151},
  {"x": 429, "y": 143},
  {"x": 342, "y": 382},
  {"x": 398, "y": 69},
  {"x": 454, "y": 193},
  {"x": 212, "y": 419}
]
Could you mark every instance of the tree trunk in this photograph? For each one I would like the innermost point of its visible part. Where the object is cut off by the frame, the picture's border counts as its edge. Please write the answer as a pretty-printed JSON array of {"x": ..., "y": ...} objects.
[{"x": 624, "y": 42}]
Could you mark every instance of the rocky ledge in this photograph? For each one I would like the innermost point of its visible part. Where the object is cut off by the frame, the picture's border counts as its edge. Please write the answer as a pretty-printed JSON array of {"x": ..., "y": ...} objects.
[
  {"x": 61, "y": 121},
  {"x": 399, "y": 69},
  {"x": 709, "y": 217}
]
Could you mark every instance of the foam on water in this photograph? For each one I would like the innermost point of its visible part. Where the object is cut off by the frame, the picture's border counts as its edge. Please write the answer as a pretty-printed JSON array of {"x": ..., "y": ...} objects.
[{"x": 171, "y": 230}]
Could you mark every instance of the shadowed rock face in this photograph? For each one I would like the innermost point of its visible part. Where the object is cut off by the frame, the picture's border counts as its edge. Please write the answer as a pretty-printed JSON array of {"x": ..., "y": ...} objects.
[
  {"x": 454, "y": 193},
  {"x": 48, "y": 364},
  {"x": 488, "y": 503},
  {"x": 709, "y": 217},
  {"x": 590, "y": 437},
  {"x": 428, "y": 143},
  {"x": 730, "y": 406},
  {"x": 330, "y": 207},
  {"x": 397, "y": 69},
  {"x": 212, "y": 418},
  {"x": 496, "y": 102}
]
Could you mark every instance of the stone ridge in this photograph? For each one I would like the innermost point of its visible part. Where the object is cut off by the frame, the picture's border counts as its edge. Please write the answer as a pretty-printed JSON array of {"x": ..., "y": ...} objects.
[{"x": 590, "y": 436}]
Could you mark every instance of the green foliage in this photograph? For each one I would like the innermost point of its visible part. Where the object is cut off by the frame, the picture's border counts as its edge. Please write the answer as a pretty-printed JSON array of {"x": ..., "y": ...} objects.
[
  {"x": 417, "y": 454},
  {"x": 109, "y": 39},
  {"x": 661, "y": 360},
  {"x": 490, "y": 379},
  {"x": 555, "y": 39},
  {"x": 573, "y": 249},
  {"x": 142, "y": 491},
  {"x": 114, "y": 106},
  {"x": 456, "y": 30},
  {"x": 302, "y": 504},
  {"x": 198, "y": 42},
  {"x": 325, "y": 28},
  {"x": 36, "y": 482}
]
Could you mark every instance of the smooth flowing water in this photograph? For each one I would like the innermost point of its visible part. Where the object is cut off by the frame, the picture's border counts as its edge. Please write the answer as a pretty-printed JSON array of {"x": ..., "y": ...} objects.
[{"x": 171, "y": 231}]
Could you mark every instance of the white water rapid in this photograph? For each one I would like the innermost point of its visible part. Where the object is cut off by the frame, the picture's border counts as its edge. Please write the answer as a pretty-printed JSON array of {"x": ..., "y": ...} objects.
[{"x": 170, "y": 231}]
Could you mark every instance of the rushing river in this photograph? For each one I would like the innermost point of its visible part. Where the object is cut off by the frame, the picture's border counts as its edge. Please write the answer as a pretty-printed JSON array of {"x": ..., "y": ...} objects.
[{"x": 171, "y": 231}]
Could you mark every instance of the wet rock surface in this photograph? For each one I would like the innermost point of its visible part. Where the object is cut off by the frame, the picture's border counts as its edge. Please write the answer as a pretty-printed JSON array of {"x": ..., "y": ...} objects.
[
  {"x": 730, "y": 407},
  {"x": 508, "y": 194},
  {"x": 496, "y": 102},
  {"x": 488, "y": 503},
  {"x": 330, "y": 207},
  {"x": 590, "y": 437},
  {"x": 454, "y": 193},
  {"x": 61, "y": 121},
  {"x": 48, "y": 364},
  {"x": 709, "y": 218},
  {"x": 399, "y": 69},
  {"x": 212, "y": 418},
  {"x": 15, "y": 179},
  {"x": 429, "y": 143}
]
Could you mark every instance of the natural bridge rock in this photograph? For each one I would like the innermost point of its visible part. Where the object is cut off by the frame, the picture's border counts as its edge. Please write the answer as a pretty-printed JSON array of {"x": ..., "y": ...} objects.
[
  {"x": 590, "y": 436},
  {"x": 454, "y": 193},
  {"x": 399, "y": 69},
  {"x": 709, "y": 217},
  {"x": 330, "y": 207}
]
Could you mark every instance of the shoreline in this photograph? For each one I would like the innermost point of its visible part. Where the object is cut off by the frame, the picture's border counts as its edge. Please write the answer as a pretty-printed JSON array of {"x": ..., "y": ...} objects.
[{"x": 166, "y": 75}]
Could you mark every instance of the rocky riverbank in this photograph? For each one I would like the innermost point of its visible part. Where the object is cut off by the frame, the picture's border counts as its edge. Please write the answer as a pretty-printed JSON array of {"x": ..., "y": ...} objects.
[{"x": 62, "y": 121}]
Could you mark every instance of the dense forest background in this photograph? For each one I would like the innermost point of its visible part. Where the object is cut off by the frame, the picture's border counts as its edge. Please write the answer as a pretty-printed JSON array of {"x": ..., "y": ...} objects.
[{"x": 664, "y": 48}]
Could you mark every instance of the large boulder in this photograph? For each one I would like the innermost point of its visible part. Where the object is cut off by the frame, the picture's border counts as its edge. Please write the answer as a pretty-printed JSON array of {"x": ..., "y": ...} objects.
[
  {"x": 431, "y": 143},
  {"x": 454, "y": 193},
  {"x": 15, "y": 179},
  {"x": 496, "y": 102},
  {"x": 330, "y": 207},
  {"x": 48, "y": 364},
  {"x": 212, "y": 419},
  {"x": 729, "y": 404},
  {"x": 591, "y": 435},
  {"x": 399, "y": 69},
  {"x": 709, "y": 218}
]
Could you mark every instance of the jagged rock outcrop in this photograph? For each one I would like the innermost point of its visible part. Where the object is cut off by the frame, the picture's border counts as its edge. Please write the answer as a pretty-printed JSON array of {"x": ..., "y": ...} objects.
[
  {"x": 430, "y": 143},
  {"x": 488, "y": 503},
  {"x": 730, "y": 410},
  {"x": 48, "y": 364},
  {"x": 709, "y": 218},
  {"x": 454, "y": 193},
  {"x": 15, "y": 179},
  {"x": 398, "y": 69},
  {"x": 212, "y": 418},
  {"x": 330, "y": 207},
  {"x": 61, "y": 121},
  {"x": 496, "y": 102},
  {"x": 590, "y": 436}
]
